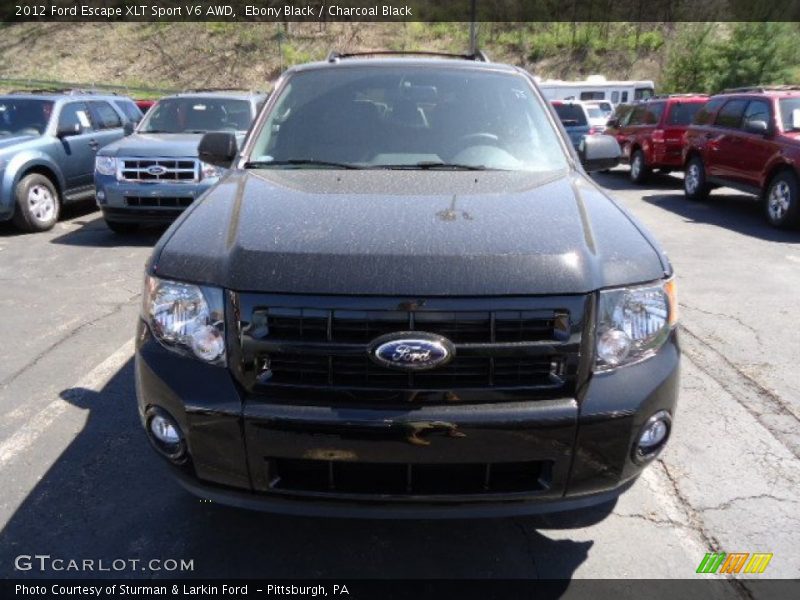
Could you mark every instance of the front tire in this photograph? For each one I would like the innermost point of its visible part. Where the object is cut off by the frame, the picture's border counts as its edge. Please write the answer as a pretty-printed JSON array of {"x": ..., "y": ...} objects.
[
  {"x": 37, "y": 204},
  {"x": 781, "y": 202},
  {"x": 122, "y": 228},
  {"x": 694, "y": 180},
  {"x": 639, "y": 169}
]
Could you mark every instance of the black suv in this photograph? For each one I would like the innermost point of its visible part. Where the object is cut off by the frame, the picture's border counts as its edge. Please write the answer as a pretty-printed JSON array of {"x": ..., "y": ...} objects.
[{"x": 407, "y": 298}]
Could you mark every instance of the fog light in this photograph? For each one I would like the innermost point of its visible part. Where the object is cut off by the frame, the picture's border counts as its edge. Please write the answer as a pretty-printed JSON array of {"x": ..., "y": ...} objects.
[
  {"x": 101, "y": 197},
  {"x": 166, "y": 435},
  {"x": 652, "y": 436}
]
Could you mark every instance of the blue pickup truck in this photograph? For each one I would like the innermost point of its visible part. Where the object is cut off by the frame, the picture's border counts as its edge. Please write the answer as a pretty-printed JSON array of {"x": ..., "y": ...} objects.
[
  {"x": 48, "y": 143},
  {"x": 155, "y": 174}
]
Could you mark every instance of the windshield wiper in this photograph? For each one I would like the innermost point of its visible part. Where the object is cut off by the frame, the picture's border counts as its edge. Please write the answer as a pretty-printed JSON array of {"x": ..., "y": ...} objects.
[
  {"x": 433, "y": 165},
  {"x": 294, "y": 162}
]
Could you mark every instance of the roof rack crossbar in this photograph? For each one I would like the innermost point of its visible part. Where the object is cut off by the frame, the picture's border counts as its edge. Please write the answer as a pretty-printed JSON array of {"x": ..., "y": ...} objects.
[
  {"x": 760, "y": 89},
  {"x": 64, "y": 91},
  {"x": 335, "y": 56},
  {"x": 221, "y": 89}
]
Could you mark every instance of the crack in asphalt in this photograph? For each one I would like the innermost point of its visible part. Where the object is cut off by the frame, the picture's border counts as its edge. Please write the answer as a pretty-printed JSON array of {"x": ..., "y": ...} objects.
[
  {"x": 771, "y": 399},
  {"x": 72, "y": 333},
  {"x": 696, "y": 524},
  {"x": 725, "y": 316},
  {"x": 728, "y": 503}
]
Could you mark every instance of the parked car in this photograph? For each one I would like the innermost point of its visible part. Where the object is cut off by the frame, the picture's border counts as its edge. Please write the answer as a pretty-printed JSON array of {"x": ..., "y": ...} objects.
[
  {"x": 407, "y": 298},
  {"x": 597, "y": 118},
  {"x": 748, "y": 139},
  {"x": 650, "y": 132},
  {"x": 153, "y": 175},
  {"x": 48, "y": 142},
  {"x": 145, "y": 105},
  {"x": 574, "y": 118},
  {"x": 604, "y": 105}
]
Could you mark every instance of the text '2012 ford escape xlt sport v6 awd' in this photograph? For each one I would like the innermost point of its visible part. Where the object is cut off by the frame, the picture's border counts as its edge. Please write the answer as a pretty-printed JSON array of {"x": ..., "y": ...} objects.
[{"x": 406, "y": 298}]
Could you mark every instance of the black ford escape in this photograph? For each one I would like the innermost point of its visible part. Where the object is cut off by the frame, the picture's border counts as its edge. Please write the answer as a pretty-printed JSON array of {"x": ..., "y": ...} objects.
[{"x": 407, "y": 298}]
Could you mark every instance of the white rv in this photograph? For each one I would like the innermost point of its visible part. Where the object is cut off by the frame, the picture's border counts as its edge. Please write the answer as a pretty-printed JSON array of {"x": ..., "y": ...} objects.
[{"x": 596, "y": 87}]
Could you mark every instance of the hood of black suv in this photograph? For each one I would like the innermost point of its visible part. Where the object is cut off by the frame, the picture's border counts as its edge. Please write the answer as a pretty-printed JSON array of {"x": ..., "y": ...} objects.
[{"x": 407, "y": 232}]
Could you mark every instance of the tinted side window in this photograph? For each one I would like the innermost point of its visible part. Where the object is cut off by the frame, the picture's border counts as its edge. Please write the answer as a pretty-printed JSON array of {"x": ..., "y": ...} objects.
[
  {"x": 107, "y": 117},
  {"x": 571, "y": 114},
  {"x": 653, "y": 112},
  {"x": 593, "y": 96},
  {"x": 705, "y": 114},
  {"x": 757, "y": 110},
  {"x": 637, "y": 116},
  {"x": 731, "y": 114},
  {"x": 75, "y": 117},
  {"x": 682, "y": 113},
  {"x": 130, "y": 110}
]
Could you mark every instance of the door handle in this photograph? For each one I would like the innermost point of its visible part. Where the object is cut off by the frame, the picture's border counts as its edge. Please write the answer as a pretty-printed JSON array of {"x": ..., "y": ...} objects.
[{"x": 94, "y": 144}]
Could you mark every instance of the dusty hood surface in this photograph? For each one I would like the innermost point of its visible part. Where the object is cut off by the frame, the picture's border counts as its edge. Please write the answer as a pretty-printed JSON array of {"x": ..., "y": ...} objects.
[{"x": 407, "y": 233}]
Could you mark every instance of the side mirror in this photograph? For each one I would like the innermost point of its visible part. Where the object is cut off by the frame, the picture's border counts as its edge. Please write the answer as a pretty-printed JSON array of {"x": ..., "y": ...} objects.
[
  {"x": 218, "y": 148},
  {"x": 599, "y": 152},
  {"x": 127, "y": 128},
  {"x": 612, "y": 123},
  {"x": 64, "y": 131},
  {"x": 759, "y": 127}
]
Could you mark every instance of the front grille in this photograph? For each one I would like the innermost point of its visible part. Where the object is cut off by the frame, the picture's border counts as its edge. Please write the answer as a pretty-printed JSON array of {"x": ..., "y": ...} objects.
[
  {"x": 400, "y": 479},
  {"x": 361, "y": 371},
  {"x": 291, "y": 343},
  {"x": 153, "y": 170},
  {"x": 158, "y": 201}
]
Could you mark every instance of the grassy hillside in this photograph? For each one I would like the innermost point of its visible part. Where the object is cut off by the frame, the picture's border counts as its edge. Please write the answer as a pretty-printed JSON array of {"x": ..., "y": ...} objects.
[{"x": 183, "y": 55}]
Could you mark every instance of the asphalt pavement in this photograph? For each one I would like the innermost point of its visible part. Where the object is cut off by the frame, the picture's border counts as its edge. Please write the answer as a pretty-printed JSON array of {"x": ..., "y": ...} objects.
[{"x": 79, "y": 480}]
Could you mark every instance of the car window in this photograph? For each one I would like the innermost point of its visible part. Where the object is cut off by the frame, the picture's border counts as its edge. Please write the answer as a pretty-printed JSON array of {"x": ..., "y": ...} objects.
[
  {"x": 571, "y": 115},
  {"x": 642, "y": 93},
  {"x": 595, "y": 112},
  {"x": 106, "y": 116},
  {"x": 707, "y": 111},
  {"x": 411, "y": 116},
  {"x": 593, "y": 95},
  {"x": 615, "y": 97},
  {"x": 130, "y": 110},
  {"x": 757, "y": 110},
  {"x": 788, "y": 107},
  {"x": 730, "y": 115},
  {"x": 75, "y": 117},
  {"x": 193, "y": 114},
  {"x": 682, "y": 113},
  {"x": 637, "y": 116},
  {"x": 653, "y": 112},
  {"x": 20, "y": 116}
]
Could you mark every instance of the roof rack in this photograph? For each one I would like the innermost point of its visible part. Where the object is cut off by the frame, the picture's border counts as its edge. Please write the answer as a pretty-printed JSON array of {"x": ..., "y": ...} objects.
[
  {"x": 64, "y": 92},
  {"x": 665, "y": 96},
  {"x": 335, "y": 56},
  {"x": 221, "y": 89},
  {"x": 760, "y": 89}
]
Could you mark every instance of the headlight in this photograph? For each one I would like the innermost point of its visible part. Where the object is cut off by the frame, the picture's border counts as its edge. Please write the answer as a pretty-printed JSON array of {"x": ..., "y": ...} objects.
[
  {"x": 185, "y": 318},
  {"x": 208, "y": 170},
  {"x": 105, "y": 165},
  {"x": 633, "y": 323}
]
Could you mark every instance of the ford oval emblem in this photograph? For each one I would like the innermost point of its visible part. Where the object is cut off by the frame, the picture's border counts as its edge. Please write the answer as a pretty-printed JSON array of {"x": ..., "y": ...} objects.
[
  {"x": 156, "y": 170},
  {"x": 412, "y": 351}
]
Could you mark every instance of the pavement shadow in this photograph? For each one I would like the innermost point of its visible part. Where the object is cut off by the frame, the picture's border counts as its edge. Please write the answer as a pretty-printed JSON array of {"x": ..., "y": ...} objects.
[
  {"x": 108, "y": 496},
  {"x": 737, "y": 212},
  {"x": 93, "y": 232},
  {"x": 619, "y": 179}
]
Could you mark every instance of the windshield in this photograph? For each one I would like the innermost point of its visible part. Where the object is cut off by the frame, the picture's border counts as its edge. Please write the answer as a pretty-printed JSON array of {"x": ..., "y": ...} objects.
[
  {"x": 24, "y": 117},
  {"x": 595, "y": 112},
  {"x": 571, "y": 115},
  {"x": 788, "y": 108},
  {"x": 408, "y": 117},
  {"x": 197, "y": 115}
]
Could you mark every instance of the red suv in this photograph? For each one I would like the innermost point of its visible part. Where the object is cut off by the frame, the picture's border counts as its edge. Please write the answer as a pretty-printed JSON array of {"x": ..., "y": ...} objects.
[
  {"x": 748, "y": 139},
  {"x": 651, "y": 132}
]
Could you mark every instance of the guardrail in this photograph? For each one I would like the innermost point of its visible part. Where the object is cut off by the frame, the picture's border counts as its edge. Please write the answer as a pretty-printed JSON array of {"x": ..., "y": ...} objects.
[{"x": 129, "y": 90}]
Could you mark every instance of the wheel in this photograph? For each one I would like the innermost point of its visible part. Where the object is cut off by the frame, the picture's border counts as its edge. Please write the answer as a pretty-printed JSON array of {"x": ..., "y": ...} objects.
[
  {"x": 37, "y": 203},
  {"x": 118, "y": 227},
  {"x": 694, "y": 181},
  {"x": 781, "y": 204},
  {"x": 639, "y": 169}
]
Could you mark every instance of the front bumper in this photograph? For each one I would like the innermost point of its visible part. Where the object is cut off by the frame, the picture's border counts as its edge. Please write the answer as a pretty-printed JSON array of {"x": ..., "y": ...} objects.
[
  {"x": 234, "y": 440},
  {"x": 131, "y": 202}
]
